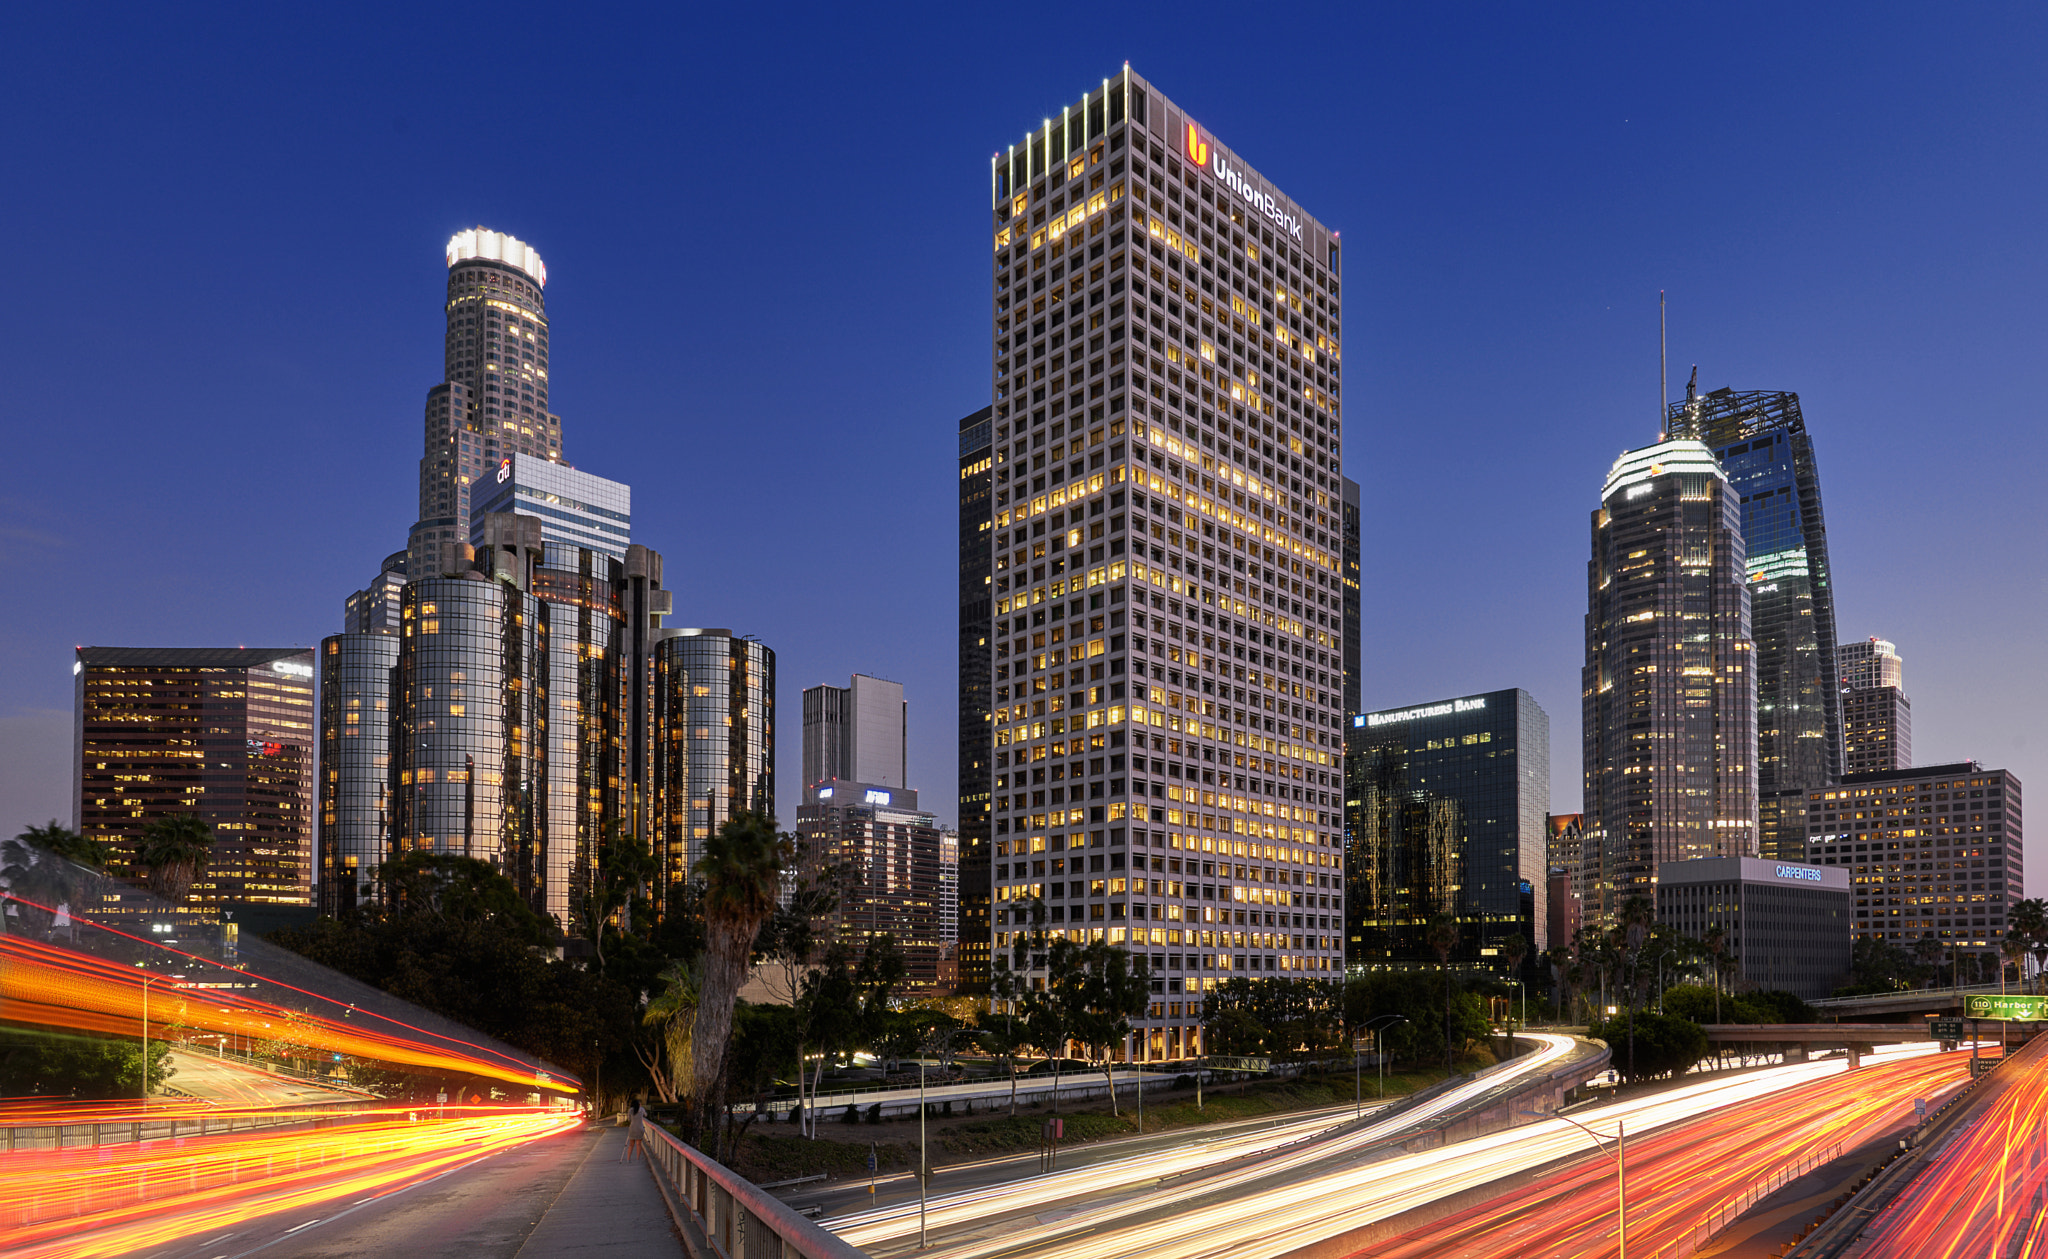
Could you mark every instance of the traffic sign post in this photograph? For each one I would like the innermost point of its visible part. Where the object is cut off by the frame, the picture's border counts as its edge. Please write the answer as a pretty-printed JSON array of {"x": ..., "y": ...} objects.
[
  {"x": 1982, "y": 1066},
  {"x": 2013, "y": 1007},
  {"x": 1945, "y": 1029}
]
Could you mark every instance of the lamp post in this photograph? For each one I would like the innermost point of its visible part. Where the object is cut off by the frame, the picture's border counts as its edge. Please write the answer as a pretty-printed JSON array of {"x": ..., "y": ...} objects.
[
  {"x": 1620, "y": 1156},
  {"x": 147, "y": 980},
  {"x": 944, "y": 1041},
  {"x": 1373, "y": 1026}
]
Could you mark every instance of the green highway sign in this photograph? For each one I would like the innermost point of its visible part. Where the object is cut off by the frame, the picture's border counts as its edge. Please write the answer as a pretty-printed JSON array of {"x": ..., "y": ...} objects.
[
  {"x": 1945, "y": 1029},
  {"x": 2014, "y": 1008}
]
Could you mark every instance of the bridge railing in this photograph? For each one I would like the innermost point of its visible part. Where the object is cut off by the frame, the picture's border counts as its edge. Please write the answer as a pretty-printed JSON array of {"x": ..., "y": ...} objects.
[{"x": 722, "y": 1215}]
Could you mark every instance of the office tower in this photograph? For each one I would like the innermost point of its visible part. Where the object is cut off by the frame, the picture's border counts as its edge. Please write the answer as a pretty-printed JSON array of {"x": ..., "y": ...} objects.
[
  {"x": 977, "y": 579},
  {"x": 1668, "y": 694},
  {"x": 1877, "y": 718},
  {"x": 1354, "y": 616},
  {"x": 1760, "y": 440},
  {"x": 1167, "y": 555},
  {"x": 888, "y": 859},
  {"x": 575, "y": 508},
  {"x": 1936, "y": 853},
  {"x": 493, "y": 399},
  {"x": 355, "y": 765},
  {"x": 714, "y": 734},
  {"x": 1787, "y": 924},
  {"x": 949, "y": 911},
  {"x": 222, "y": 733},
  {"x": 1564, "y": 864},
  {"x": 1450, "y": 803},
  {"x": 859, "y": 732},
  {"x": 374, "y": 609}
]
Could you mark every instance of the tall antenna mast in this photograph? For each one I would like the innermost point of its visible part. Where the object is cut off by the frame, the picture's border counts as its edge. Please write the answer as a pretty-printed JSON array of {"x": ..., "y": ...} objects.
[{"x": 1663, "y": 382}]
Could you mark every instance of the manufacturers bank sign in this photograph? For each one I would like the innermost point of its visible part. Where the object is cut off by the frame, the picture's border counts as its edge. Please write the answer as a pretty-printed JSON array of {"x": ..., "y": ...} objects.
[{"x": 1202, "y": 154}]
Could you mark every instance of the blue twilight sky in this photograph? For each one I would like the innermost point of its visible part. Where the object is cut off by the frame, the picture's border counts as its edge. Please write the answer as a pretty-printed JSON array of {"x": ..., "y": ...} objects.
[{"x": 765, "y": 233}]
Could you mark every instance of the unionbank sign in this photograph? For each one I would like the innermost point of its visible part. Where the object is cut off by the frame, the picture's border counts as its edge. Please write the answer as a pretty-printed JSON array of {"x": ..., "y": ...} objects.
[{"x": 1243, "y": 185}]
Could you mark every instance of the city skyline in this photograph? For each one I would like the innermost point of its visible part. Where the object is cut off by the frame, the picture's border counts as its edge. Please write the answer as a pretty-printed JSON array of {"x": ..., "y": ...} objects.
[{"x": 1419, "y": 650}]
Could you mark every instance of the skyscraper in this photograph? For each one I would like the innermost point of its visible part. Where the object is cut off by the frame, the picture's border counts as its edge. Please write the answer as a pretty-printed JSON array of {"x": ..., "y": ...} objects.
[
  {"x": 1668, "y": 689},
  {"x": 1877, "y": 718},
  {"x": 714, "y": 733},
  {"x": 575, "y": 508},
  {"x": 858, "y": 732},
  {"x": 890, "y": 862},
  {"x": 221, "y": 733},
  {"x": 1450, "y": 801},
  {"x": 1760, "y": 440},
  {"x": 1354, "y": 616},
  {"x": 977, "y": 579},
  {"x": 1168, "y": 554},
  {"x": 493, "y": 399}
]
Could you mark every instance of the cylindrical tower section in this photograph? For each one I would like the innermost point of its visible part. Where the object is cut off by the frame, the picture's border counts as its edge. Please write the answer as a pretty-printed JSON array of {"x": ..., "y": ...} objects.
[
  {"x": 468, "y": 756},
  {"x": 355, "y": 759},
  {"x": 584, "y": 684},
  {"x": 715, "y": 700}
]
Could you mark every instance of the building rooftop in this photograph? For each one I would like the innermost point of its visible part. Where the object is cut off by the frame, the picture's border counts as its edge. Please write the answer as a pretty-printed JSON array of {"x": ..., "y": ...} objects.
[
  {"x": 186, "y": 657},
  {"x": 482, "y": 242}
]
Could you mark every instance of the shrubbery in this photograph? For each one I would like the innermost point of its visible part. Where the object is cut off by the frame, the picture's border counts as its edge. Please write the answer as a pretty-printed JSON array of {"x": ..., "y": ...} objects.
[{"x": 1665, "y": 1045}]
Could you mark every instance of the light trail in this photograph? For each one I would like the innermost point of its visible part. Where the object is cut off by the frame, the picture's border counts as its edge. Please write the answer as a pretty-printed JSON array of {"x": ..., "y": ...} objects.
[
  {"x": 1680, "y": 1175},
  {"x": 93, "y": 1201},
  {"x": 47, "y": 986},
  {"x": 1284, "y": 1147},
  {"x": 1977, "y": 1196},
  {"x": 1302, "y": 1207}
]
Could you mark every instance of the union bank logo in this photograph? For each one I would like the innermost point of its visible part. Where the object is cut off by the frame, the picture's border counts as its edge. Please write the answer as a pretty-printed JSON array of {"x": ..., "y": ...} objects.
[{"x": 1198, "y": 148}]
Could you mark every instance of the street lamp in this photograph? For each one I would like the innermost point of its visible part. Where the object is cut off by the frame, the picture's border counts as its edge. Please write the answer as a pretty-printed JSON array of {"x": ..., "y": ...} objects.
[
  {"x": 1372, "y": 1025},
  {"x": 944, "y": 1042},
  {"x": 147, "y": 980},
  {"x": 1619, "y": 1154}
]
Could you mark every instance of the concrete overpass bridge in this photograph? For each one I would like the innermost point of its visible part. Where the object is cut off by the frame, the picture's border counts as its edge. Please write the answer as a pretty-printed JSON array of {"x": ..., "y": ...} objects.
[{"x": 1914, "y": 1004}]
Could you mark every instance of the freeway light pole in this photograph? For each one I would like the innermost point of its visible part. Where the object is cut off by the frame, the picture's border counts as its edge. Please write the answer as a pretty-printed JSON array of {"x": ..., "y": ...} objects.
[
  {"x": 1380, "y": 1055},
  {"x": 1620, "y": 1156}
]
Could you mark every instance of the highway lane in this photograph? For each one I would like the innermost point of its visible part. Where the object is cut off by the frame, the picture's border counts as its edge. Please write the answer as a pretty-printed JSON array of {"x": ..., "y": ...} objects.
[
  {"x": 984, "y": 1222},
  {"x": 207, "y": 1078},
  {"x": 1680, "y": 1175},
  {"x": 1978, "y": 1193},
  {"x": 1283, "y": 1205}
]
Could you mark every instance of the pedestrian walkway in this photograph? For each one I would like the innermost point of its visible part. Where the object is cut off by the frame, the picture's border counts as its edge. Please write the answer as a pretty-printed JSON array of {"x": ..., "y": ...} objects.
[{"x": 607, "y": 1208}]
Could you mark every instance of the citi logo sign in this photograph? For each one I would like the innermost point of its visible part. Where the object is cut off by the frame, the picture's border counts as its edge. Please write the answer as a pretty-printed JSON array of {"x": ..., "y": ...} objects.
[{"x": 1198, "y": 148}]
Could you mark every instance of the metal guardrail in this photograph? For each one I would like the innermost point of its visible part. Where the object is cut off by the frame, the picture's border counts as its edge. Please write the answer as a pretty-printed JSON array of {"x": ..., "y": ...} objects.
[
  {"x": 65, "y": 1136},
  {"x": 721, "y": 1215}
]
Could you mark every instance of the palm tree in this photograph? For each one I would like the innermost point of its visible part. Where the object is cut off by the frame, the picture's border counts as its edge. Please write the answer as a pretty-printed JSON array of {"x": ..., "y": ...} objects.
[
  {"x": 742, "y": 870},
  {"x": 174, "y": 849},
  {"x": 1442, "y": 937},
  {"x": 1637, "y": 916},
  {"x": 674, "y": 1013},
  {"x": 2029, "y": 921},
  {"x": 1717, "y": 943},
  {"x": 1516, "y": 947},
  {"x": 2011, "y": 949}
]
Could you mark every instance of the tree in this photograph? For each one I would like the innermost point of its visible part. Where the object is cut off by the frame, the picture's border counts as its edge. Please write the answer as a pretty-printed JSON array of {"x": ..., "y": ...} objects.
[
  {"x": 1515, "y": 949},
  {"x": 790, "y": 941},
  {"x": 1115, "y": 988},
  {"x": 431, "y": 885},
  {"x": 2029, "y": 920},
  {"x": 1004, "y": 1031},
  {"x": 673, "y": 1014},
  {"x": 83, "y": 1066},
  {"x": 741, "y": 868},
  {"x": 1414, "y": 996},
  {"x": 52, "y": 872},
  {"x": 618, "y": 889},
  {"x": 1659, "y": 1044},
  {"x": 1637, "y": 916},
  {"x": 1716, "y": 942},
  {"x": 1056, "y": 1011},
  {"x": 1442, "y": 937},
  {"x": 175, "y": 850}
]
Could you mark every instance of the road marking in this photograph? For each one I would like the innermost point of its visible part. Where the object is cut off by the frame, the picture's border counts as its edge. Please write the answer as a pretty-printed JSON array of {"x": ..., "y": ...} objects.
[{"x": 296, "y": 1227}]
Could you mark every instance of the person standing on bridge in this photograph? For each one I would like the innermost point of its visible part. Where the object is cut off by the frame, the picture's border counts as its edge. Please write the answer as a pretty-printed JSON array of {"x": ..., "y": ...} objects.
[{"x": 636, "y": 1131}]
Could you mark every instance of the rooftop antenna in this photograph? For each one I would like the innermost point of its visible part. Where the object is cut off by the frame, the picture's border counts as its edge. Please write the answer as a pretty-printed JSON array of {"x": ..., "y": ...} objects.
[{"x": 1663, "y": 380}]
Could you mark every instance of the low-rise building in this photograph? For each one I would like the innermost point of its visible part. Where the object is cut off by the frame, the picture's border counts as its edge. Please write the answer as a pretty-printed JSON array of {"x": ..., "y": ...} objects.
[{"x": 1787, "y": 923}]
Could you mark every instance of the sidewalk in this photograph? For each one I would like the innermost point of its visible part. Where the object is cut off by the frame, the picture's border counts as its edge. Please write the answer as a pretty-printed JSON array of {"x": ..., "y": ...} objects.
[{"x": 607, "y": 1208}]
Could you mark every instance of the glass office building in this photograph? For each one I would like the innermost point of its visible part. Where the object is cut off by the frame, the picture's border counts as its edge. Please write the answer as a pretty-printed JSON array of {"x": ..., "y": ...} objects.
[
  {"x": 977, "y": 525},
  {"x": 1167, "y": 554},
  {"x": 225, "y": 734},
  {"x": 1760, "y": 439},
  {"x": 1448, "y": 806},
  {"x": 714, "y": 723},
  {"x": 355, "y": 766},
  {"x": 1668, "y": 708}
]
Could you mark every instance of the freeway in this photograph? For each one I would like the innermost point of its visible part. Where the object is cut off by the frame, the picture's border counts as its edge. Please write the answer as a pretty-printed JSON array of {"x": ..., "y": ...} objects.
[
  {"x": 1323, "y": 1191},
  {"x": 1685, "y": 1178},
  {"x": 208, "y": 1078},
  {"x": 984, "y": 1221},
  {"x": 1980, "y": 1193}
]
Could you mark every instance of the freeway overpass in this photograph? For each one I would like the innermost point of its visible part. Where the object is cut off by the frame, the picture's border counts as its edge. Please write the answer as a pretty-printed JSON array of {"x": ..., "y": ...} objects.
[{"x": 1899, "y": 1004}]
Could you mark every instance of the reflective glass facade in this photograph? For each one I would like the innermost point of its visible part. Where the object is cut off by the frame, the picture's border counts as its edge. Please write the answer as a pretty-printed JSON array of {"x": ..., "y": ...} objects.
[
  {"x": 355, "y": 765},
  {"x": 714, "y": 700},
  {"x": 1167, "y": 557},
  {"x": 1760, "y": 439},
  {"x": 223, "y": 733},
  {"x": 1449, "y": 804},
  {"x": 1668, "y": 689},
  {"x": 977, "y": 524}
]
